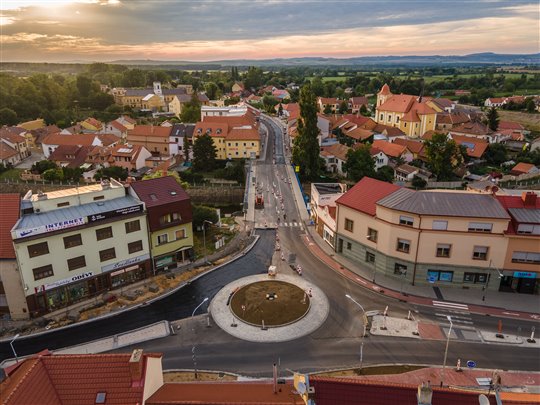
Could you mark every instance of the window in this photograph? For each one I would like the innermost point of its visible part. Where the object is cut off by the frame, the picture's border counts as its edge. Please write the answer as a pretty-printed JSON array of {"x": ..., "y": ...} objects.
[
  {"x": 370, "y": 257},
  {"x": 76, "y": 263},
  {"x": 180, "y": 234},
  {"x": 99, "y": 197},
  {"x": 404, "y": 220},
  {"x": 372, "y": 235},
  {"x": 349, "y": 245},
  {"x": 133, "y": 226},
  {"x": 161, "y": 239},
  {"x": 43, "y": 272},
  {"x": 135, "y": 246},
  {"x": 107, "y": 254},
  {"x": 480, "y": 253},
  {"x": 104, "y": 233},
  {"x": 480, "y": 227},
  {"x": 349, "y": 224},
  {"x": 525, "y": 257},
  {"x": 176, "y": 216},
  {"x": 440, "y": 225},
  {"x": 63, "y": 204},
  {"x": 475, "y": 278},
  {"x": 72, "y": 241},
  {"x": 400, "y": 269},
  {"x": 443, "y": 250},
  {"x": 436, "y": 275},
  {"x": 38, "y": 249},
  {"x": 403, "y": 245},
  {"x": 528, "y": 229}
]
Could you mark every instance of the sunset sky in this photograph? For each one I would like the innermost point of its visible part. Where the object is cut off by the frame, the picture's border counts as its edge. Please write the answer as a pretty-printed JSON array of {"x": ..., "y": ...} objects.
[{"x": 106, "y": 30}]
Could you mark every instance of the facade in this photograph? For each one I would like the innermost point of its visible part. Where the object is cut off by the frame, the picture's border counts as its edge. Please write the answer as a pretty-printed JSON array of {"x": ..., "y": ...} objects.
[
  {"x": 53, "y": 141},
  {"x": 178, "y": 101},
  {"x": 323, "y": 208},
  {"x": 76, "y": 243},
  {"x": 16, "y": 142},
  {"x": 169, "y": 220},
  {"x": 328, "y": 103},
  {"x": 154, "y": 138},
  {"x": 410, "y": 114},
  {"x": 425, "y": 237},
  {"x": 335, "y": 157},
  {"x": 180, "y": 133}
]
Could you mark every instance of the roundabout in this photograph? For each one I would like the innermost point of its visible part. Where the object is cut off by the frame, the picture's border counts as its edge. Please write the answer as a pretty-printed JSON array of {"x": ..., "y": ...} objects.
[{"x": 269, "y": 309}]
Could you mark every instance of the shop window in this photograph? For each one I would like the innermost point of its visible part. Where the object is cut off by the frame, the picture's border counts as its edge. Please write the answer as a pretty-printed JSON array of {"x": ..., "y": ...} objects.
[
  {"x": 480, "y": 227},
  {"x": 107, "y": 254},
  {"x": 372, "y": 235},
  {"x": 480, "y": 253},
  {"x": 72, "y": 241},
  {"x": 104, "y": 233},
  {"x": 440, "y": 225},
  {"x": 443, "y": 250},
  {"x": 38, "y": 249},
  {"x": 180, "y": 234},
  {"x": 133, "y": 226},
  {"x": 43, "y": 272},
  {"x": 99, "y": 197},
  {"x": 436, "y": 275},
  {"x": 349, "y": 224},
  {"x": 135, "y": 246},
  {"x": 161, "y": 239},
  {"x": 400, "y": 269},
  {"x": 403, "y": 245},
  {"x": 76, "y": 263},
  {"x": 404, "y": 220},
  {"x": 480, "y": 278},
  {"x": 370, "y": 257}
]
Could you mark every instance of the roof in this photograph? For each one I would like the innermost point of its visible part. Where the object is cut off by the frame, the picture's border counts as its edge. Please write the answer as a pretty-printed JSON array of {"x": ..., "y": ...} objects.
[
  {"x": 11, "y": 136},
  {"x": 149, "y": 130},
  {"x": 454, "y": 118},
  {"x": 243, "y": 134},
  {"x": 328, "y": 188},
  {"x": 246, "y": 119},
  {"x": 359, "y": 100},
  {"x": 521, "y": 213},
  {"x": 443, "y": 102},
  {"x": 415, "y": 147},
  {"x": 404, "y": 103},
  {"x": 144, "y": 92},
  {"x": 159, "y": 191},
  {"x": 118, "y": 126},
  {"x": 10, "y": 208},
  {"x": 80, "y": 139},
  {"x": 522, "y": 167},
  {"x": 389, "y": 148},
  {"x": 72, "y": 154},
  {"x": 441, "y": 203},
  {"x": 6, "y": 151},
  {"x": 385, "y": 89},
  {"x": 511, "y": 125},
  {"x": 226, "y": 393},
  {"x": 74, "y": 379},
  {"x": 181, "y": 130},
  {"x": 472, "y": 128},
  {"x": 94, "y": 122},
  {"x": 525, "y": 215},
  {"x": 212, "y": 128},
  {"x": 388, "y": 130},
  {"x": 363, "y": 196},
  {"x": 406, "y": 168},
  {"x": 328, "y": 100},
  {"x": 475, "y": 147},
  {"x": 338, "y": 150},
  {"x": 359, "y": 134}
]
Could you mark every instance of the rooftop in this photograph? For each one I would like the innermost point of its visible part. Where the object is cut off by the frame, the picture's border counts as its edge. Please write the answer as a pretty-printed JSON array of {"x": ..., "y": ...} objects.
[
  {"x": 10, "y": 208},
  {"x": 363, "y": 196},
  {"x": 328, "y": 188},
  {"x": 159, "y": 191}
]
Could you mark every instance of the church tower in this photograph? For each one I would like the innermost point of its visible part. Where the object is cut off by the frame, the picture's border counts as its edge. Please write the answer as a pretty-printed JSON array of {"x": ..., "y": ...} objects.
[{"x": 383, "y": 95}]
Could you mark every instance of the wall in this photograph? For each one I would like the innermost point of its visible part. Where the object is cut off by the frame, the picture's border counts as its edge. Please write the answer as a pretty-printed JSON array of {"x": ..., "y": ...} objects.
[{"x": 9, "y": 275}]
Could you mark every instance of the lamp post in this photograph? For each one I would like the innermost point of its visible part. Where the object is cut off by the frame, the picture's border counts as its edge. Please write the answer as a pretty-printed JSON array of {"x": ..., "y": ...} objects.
[
  {"x": 488, "y": 277},
  {"x": 446, "y": 350},
  {"x": 364, "y": 320},
  {"x": 12, "y": 348},
  {"x": 194, "y": 355}
]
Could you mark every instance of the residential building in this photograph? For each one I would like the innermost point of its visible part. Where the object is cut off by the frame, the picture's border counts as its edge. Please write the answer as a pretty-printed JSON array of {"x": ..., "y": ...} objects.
[
  {"x": 450, "y": 238},
  {"x": 475, "y": 148},
  {"x": 328, "y": 104},
  {"x": 181, "y": 133},
  {"x": 394, "y": 151},
  {"x": 92, "y": 124},
  {"x": 17, "y": 142},
  {"x": 115, "y": 128},
  {"x": 441, "y": 105},
  {"x": 379, "y": 157},
  {"x": 524, "y": 168},
  {"x": 130, "y": 157},
  {"x": 414, "y": 146},
  {"x": 127, "y": 121},
  {"x": 323, "y": 208},
  {"x": 324, "y": 124},
  {"x": 237, "y": 86},
  {"x": 154, "y": 138},
  {"x": 411, "y": 114},
  {"x": 356, "y": 103},
  {"x": 180, "y": 100},
  {"x": 36, "y": 136},
  {"x": 8, "y": 155},
  {"x": 335, "y": 157},
  {"x": 76, "y": 243},
  {"x": 501, "y": 101},
  {"x": 281, "y": 95},
  {"x": 169, "y": 220},
  {"x": 447, "y": 121},
  {"x": 70, "y": 156},
  {"x": 154, "y": 99},
  {"x": 406, "y": 173},
  {"x": 12, "y": 300},
  {"x": 56, "y": 379},
  {"x": 227, "y": 111},
  {"x": 51, "y": 142},
  {"x": 475, "y": 130}
]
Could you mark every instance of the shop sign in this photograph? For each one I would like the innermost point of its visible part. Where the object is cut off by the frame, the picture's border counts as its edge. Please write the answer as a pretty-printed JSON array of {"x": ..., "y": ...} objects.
[
  {"x": 164, "y": 261},
  {"x": 56, "y": 226},
  {"x": 524, "y": 274},
  {"x": 127, "y": 269},
  {"x": 65, "y": 281},
  {"x": 115, "y": 213},
  {"x": 124, "y": 263}
]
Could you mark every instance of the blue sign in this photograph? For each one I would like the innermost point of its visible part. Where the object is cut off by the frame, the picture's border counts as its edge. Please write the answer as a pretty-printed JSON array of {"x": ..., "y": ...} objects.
[
  {"x": 471, "y": 364},
  {"x": 432, "y": 279},
  {"x": 524, "y": 274}
]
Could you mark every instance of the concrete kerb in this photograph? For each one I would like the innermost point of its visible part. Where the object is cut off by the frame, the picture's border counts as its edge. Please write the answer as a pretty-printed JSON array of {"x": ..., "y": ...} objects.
[
  {"x": 142, "y": 304},
  {"x": 222, "y": 315}
]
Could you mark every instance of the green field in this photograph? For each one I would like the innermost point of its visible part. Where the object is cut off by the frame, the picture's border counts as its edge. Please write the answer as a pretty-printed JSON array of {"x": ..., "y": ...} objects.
[
  {"x": 430, "y": 79},
  {"x": 330, "y": 78},
  {"x": 12, "y": 174}
]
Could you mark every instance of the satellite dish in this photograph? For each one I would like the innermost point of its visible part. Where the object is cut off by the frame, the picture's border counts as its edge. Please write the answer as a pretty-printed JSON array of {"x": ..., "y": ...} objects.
[
  {"x": 301, "y": 388},
  {"x": 483, "y": 400}
]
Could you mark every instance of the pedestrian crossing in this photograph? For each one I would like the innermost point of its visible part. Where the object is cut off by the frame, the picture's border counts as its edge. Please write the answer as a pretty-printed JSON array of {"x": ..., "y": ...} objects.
[
  {"x": 451, "y": 305},
  {"x": 273, "y": 225}
]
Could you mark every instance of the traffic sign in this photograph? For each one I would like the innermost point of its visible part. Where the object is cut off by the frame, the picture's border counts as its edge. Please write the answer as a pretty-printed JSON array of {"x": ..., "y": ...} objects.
[
  {"x": 471, "y": 364},
  {"x": 432, "y": 279}
]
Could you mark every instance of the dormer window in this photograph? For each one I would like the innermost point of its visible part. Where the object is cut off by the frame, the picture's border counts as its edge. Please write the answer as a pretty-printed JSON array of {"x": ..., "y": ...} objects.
[
  {"x": 199, "y": 131},
  {"x": 208, "y": 131}
]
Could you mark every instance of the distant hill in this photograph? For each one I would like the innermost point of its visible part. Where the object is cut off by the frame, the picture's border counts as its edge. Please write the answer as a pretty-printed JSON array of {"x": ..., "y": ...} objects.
[{"x": 486, "y": 58}]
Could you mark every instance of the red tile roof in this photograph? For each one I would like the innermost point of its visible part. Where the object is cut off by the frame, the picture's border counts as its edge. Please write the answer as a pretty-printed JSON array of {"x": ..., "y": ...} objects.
[
  {"x": 72, "y": 156},
  {"x": 164, "y": 189},
  {"x": 390, "y": 149},
  {"x": 328, "y": 100},
  {"x": 359, "y": 100},
  {"x": 414, "y": 146},
  {"x": 10, "y": 209},
  {"x": 73, "y": 379},
  {"x": 475, "y": 147},
  {"x": 385, "y": 89},
  {"x": 510, "y": 125},
  {"x": 472, "y": 128},
  {"x": 224, "y": 393},
  {"x": 522, "y": 168},
  {"x": 338, "y": 150},
  {"x": 237, "y": 134},
  {"x": 6, "y": 151},
  {"x": 79, "y": 139},
  {"x": 11, "y": 137},
  {"x": 149, "y": 130},
  {"x": 363, "y": 196}
]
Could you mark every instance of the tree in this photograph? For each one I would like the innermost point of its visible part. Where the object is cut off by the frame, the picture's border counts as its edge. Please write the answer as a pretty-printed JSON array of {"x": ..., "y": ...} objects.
[
  {"x": 385, "y": 173},
  {"x": 364, "y": 111},
  {"x": 211, "y": 90},
  {"x": 280, "y": 110},
  {"x": 418, "y": 182},
  {"x": 191, "y": 112},
  {"x": 443, "y": 156},
  {"x": 496, "y": 153},
  {"x": 8, "y": 117},
  {"x": 254, "y": 78},
  {"x": 327, "y": 109},
  {"x": 493, "y": 119},
  {"x": 84, "y": 85},
  {"x": 305, "y": 151},
  {"x": 343, "y": 107},
  {"x": 42, "y": 166},
  {"x": 53, "y": 175},
  {"x": 202, "y": 213},
  {"x": 112, "y": 172},
  {"x": 100, "y": 101},
  {"x": 70, "y": 174},
  {"x": 187, "y": 148},
  {"x": 359, "y": 163},
  {"x": 204, "y": 154}
]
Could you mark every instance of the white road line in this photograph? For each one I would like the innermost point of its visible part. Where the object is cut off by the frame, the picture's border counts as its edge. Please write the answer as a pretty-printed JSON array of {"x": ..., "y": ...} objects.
[
  {"x": 452, "y": 305},
  {"x": 453, "y": 316},
  {"x": 511, "y": 313}
]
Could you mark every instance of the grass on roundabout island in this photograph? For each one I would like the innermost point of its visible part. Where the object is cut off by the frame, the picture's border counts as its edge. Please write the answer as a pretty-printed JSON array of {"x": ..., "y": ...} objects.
[{"x": 274, "y": 302}]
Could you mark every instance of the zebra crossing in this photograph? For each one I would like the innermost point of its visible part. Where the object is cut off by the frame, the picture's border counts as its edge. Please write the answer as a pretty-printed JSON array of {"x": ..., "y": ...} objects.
[{"x": 273, "y": 225}]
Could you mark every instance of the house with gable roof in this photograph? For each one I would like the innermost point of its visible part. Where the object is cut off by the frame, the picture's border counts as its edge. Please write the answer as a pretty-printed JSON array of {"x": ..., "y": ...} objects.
[
  {"x": 394, "y": 151},
  {"x": 15, "y": 142},
  {"x": 356, "y": 103},
  {"x": 335, "y": 156}
]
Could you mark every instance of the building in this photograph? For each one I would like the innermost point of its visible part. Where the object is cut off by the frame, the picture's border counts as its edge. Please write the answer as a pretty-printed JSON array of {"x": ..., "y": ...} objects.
[
  {"x": 51, "y": 142},
  {"x": 356, "y": 103},
  {"x": 449, "y": 238},
  {"x": 169, "y": 220},
  {"x": 16, "y": 142},
  {"x": 335, "y": 157},
  {"x": 70, "y": 156},
  {"x": 394, "y": 151},
  {"x": 328, "y": 104},
  {"x": 227, "y": 111},
  {"x": 154, "y": 99},
  {"x": 84, "y": 379},
  {"x": 76, "y": 243},
  {"x": 524, "y": 168},
  {"x": 92, "y": 124},
  {"x": 411, "y": 114},
  {"x": 476, "y": 130},
  {"x": 323, "y": 208},
  {"x": 180, "y": 134},
  {"x": 130, "y": 157},
  {"x": 180, "y": 100},
  {"x": 154, "y": 138},
  {"x": 8, "y": 155},
  {"x": 475, "y": 148}
]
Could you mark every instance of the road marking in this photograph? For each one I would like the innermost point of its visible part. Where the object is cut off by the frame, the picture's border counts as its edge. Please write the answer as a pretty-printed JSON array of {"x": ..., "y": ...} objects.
[
  {"x": 362, "y": 281},
  {"x": 453, "y": 305},
  {"x": 453, "y": 316},
  {"x": 511, "y": 313}
]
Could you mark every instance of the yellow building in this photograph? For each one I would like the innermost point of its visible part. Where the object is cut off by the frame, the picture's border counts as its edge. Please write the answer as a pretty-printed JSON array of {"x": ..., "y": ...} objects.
[
  {"x": 410, "y": 114},
  {"x": 91, "y": 124}
]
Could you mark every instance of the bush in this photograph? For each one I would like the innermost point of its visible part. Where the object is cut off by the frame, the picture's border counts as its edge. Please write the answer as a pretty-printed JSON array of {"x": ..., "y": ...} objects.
[{"x": 202, "y": 213}]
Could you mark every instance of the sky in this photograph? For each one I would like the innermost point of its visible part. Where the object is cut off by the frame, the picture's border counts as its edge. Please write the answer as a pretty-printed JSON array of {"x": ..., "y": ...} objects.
[{"x": 205, "y": 30}]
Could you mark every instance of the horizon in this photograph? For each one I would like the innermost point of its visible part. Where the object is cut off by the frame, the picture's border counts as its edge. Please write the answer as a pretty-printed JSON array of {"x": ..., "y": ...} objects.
[{"x": 85, "y": 31}]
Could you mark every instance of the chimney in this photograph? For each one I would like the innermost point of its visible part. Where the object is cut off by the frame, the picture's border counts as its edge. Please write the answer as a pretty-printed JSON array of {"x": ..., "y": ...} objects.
[
  {"x": 41, "y": 196},
  {"x": 425, "y": 393},
  {"x": 529, "y": 199},
  {"x": 136, "y": 365}
]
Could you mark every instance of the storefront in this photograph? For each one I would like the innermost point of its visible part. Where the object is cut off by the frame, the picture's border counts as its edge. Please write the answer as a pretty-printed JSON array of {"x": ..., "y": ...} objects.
[
  {"x": 173, "y": 260},
  {"x": 523, "y": 282}
]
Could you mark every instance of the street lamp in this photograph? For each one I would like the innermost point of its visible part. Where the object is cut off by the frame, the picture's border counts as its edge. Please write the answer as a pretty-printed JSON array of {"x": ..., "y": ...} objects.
[
  {"x": 12, "y": 348},
  {"x": 194, "y": 355},
  {"x": 446, "y": 350},
  {"x": 365, "y": 326},
  {"x": 488, "y": 277}
]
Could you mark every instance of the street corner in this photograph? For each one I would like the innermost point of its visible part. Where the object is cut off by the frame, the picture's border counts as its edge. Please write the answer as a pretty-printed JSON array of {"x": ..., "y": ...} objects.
[{"x": 389, "y": 326}]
